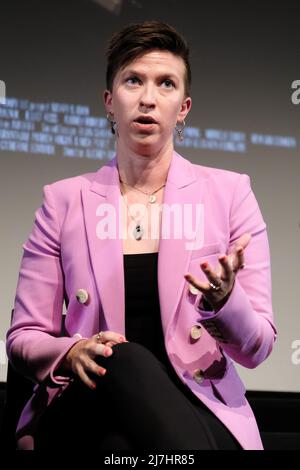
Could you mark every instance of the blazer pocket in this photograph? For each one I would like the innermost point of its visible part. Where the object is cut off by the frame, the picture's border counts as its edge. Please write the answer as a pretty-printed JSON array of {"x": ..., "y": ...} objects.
[{"x": 206, "y": 250}]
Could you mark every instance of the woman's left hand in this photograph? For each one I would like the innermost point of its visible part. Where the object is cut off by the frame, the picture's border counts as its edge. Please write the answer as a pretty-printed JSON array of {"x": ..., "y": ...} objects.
[{"x": 220, "y": 282}]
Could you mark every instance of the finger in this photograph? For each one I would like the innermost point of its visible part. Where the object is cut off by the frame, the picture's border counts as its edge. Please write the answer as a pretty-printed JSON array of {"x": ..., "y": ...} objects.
[
  {"x": 110, "y": 343},
  {"x": 85, "y": 378},
  {"x": 100, "y": 349},
  {"x": 244, "y": 240},
  {"x": 210, "y": 274},
  {"x": 94, "y": 368},
  {"x": 201, "y": 286},
  {"x": 111, "y": 336},
  {"x": 240, "y": 259},
  {"x": 237, "y": 258},
  {"x": 227, "y": 265}
]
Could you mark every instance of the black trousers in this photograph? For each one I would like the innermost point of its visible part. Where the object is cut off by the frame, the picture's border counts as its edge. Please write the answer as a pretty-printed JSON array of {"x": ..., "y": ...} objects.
[{"x": 140, "y": 404}]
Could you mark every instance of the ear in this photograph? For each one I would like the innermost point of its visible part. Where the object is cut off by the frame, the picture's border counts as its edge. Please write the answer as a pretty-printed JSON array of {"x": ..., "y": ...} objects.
[
  {"x": 185, "y": 108},
  {"x": 108, "y": 101}
]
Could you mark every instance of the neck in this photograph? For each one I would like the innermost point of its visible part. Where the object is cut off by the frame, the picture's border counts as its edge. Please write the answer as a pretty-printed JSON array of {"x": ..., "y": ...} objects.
[{"x": 145, "y": 171}]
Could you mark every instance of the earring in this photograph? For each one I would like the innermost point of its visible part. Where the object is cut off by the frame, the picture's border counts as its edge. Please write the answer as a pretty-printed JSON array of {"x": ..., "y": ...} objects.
[
  {"x": 112, "y": 123},
  {"x": 179, "y": 129}
]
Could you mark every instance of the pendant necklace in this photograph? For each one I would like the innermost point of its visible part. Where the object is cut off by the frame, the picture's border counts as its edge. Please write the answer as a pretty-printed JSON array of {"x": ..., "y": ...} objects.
[{"x": 138, "y": 231}]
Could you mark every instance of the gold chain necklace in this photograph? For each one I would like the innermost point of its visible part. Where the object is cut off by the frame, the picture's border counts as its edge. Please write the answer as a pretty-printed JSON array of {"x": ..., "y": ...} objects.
[{"x": 151, "y": 194}]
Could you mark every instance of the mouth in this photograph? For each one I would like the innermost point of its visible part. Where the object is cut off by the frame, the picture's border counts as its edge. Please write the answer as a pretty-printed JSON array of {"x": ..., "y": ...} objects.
[{"x": 145, "y": 120}]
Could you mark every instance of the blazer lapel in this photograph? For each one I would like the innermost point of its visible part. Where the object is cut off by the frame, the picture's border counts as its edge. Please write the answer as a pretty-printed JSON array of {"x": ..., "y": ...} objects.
[
  {"x": 184, "y": 191},
  {"x": 101, "y": 213}
]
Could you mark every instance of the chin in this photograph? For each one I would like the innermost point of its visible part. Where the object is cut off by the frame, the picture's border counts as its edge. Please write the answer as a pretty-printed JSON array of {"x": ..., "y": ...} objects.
[{"x": 146, "y": 148}]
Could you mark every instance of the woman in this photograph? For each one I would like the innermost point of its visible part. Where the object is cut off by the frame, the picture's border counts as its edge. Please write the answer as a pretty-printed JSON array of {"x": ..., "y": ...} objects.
[{"x": 149, "y": 252}]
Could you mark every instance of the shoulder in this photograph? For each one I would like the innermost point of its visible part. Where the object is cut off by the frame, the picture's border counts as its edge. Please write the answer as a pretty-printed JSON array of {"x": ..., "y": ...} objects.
[
  {"x": 71, "y": 185},
  {"x": 64, "y": 194},
  {"x": 221, "y": 179},
  {"x": 217, "y": 174},
  {"x": 69, "y": 188}
]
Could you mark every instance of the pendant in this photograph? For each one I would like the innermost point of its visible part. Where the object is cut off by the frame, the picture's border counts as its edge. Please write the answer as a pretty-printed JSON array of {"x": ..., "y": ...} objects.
[
  {"x": 138, "y": 232},
  {"x": 152, "y": 198}
]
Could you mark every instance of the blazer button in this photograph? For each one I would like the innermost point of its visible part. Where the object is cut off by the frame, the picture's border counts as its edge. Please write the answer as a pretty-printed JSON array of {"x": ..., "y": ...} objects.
[
  {"x": 196, "y": 332},
  {"x": 198, "y": 376},
  {"x": 82, "y": 296},
  {"x": 193, "y": 290}
]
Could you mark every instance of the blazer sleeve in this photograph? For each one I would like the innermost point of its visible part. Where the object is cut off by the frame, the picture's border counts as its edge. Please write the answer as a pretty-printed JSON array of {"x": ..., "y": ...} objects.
[
  {"x": 34, "y": 345},
  {"x": 244, "y": 326}
]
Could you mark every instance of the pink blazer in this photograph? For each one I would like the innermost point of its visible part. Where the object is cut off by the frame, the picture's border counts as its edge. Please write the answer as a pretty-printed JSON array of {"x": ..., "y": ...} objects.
[{"x": 66, "y": 251}]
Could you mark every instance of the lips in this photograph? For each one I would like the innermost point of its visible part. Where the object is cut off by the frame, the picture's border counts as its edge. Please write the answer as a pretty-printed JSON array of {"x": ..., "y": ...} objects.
[{"x": 145, "y": 120}]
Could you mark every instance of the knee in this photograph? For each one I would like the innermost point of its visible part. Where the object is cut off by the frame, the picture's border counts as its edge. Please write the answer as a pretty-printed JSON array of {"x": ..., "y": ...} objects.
[
  {"x": 132, "y": 356},
  {"x": 132, "y": 352}
]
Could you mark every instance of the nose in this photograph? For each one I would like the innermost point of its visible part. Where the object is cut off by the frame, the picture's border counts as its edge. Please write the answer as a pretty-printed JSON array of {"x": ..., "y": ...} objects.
[{"x": 147, "y": 99}]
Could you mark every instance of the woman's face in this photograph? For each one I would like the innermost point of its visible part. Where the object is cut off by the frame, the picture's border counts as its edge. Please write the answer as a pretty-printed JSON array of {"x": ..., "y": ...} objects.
[{"x": 147, "y": 100}]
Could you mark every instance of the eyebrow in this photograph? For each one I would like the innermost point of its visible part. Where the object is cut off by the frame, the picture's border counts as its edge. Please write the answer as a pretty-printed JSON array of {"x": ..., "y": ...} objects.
[{"x": 163, "y": 75}]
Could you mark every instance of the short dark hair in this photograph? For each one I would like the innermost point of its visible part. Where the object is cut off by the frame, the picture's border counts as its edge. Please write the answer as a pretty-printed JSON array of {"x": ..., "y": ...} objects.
[{"x": 137, "y": 39}]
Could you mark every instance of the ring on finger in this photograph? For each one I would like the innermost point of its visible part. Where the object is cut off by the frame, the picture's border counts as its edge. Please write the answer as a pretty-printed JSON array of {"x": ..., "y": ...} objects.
[
  {"x": 99, "y": 336},
  {"x": 214, "y": 286}
]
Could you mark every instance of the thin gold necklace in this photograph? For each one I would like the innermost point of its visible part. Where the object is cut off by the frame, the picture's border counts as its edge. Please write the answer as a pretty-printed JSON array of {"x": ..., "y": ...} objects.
[{"x": 151, "y": 194}]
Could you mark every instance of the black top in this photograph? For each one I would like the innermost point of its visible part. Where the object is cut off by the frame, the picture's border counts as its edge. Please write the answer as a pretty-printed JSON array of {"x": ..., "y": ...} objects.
[{"x": 142, "y": 309}]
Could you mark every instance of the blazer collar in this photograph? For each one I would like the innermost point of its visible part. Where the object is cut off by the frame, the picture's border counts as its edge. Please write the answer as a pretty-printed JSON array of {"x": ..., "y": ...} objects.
[{"x": 180, "y": 174}]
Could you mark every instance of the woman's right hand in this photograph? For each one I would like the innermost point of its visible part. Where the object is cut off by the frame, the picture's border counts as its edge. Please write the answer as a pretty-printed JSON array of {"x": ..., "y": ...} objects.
[{"x": 80, "y": 359}]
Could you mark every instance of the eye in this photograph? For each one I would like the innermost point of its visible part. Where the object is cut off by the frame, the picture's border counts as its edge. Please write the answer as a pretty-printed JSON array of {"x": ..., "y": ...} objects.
[
  {"x": 132, "y": 80},
  {"x": 168, "y": 83}
]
